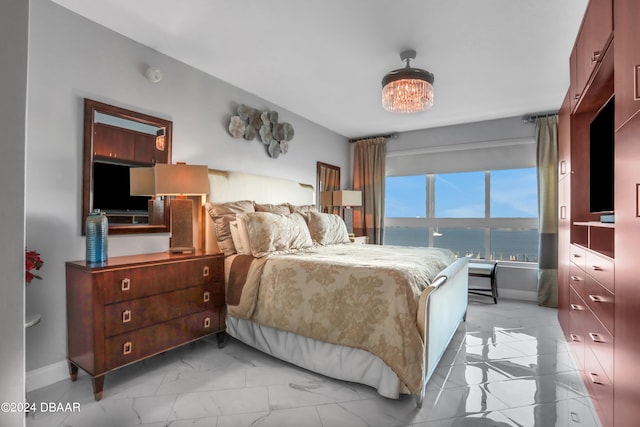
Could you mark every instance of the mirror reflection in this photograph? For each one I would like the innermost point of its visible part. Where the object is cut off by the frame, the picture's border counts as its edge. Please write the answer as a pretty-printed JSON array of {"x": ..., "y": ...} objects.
[
  {"x": 116, "y": 140},
  {"x": 328, "y": 179}
]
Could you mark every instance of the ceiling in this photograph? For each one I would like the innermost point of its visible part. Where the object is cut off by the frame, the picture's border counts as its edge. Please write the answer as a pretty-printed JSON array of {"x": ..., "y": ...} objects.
[{"x": 324, "y": 60}]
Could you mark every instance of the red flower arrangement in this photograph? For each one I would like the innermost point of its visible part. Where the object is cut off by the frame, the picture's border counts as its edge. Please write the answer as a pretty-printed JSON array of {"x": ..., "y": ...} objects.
[{"x": 32, "y": 262}]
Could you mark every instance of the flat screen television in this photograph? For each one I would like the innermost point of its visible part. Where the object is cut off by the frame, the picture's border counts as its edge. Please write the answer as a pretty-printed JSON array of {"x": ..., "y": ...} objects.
[
  {"x": 601, "y": 155},
  {"x": 111, "y": 190}
]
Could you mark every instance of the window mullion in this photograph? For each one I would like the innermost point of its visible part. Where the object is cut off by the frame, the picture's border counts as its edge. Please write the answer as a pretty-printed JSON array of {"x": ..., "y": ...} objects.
[{"x": 487, "y": 213}]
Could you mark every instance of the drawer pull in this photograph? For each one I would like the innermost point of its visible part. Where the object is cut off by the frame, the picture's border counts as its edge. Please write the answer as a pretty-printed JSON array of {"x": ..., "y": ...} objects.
[
  {"x": 205, "y": 271},
  {"x": 576, "y": 307},
  {"x": 574, "y": 338},
  {"x": 125, "y": 284},
  {"x": 127, "y": 347},
  {"x": 595, "y": 56},
  {"x": 595, "y": 337},
  {"x": 594, "y": 378},
  {"x": 576, "y": 255},
  {"x": 563, "y": 212},
  {"x": 596, "y": 268},
  {"x": 595, "y": 298},
  {"x": 207, "y": 322},
  {"x": 576, "y": 96},
  {"x": 575, "y": 278},
  {"x": 126, "y": 316},
  {"x": 563, "y": 168},
  {"x": 206, "y": 296}
]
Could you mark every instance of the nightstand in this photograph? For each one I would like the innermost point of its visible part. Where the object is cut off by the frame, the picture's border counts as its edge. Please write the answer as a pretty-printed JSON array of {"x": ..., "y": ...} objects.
[
  {"x": 133, "y": 307},
  {"x": 361, "y": 240}
]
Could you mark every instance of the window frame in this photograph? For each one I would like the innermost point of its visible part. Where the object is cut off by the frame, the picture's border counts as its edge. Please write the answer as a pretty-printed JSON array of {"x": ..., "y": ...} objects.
[{"x": 431, "y": 223}]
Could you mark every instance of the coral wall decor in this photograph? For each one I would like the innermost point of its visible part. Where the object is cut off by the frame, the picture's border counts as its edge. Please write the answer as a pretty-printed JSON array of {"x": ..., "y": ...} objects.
[{"x": 251, "y": 123}]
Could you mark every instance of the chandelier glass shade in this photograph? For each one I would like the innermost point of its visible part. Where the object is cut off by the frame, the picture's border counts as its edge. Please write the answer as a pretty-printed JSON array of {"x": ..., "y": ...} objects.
[{"x": 407, "y": 90}]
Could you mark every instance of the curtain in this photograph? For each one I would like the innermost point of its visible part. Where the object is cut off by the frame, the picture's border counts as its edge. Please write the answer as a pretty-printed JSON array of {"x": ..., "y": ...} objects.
[
  {"x": 369, "y": 177},
  {"x": 547, "y": 164}
]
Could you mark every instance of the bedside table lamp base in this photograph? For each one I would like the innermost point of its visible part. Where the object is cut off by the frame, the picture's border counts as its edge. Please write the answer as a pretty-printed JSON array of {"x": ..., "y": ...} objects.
[{"x": 181, "y": 240}]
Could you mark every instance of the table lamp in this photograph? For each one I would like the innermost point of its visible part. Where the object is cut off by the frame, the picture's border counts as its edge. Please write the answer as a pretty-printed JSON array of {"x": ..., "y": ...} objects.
[{"x": 179, "y": 180}]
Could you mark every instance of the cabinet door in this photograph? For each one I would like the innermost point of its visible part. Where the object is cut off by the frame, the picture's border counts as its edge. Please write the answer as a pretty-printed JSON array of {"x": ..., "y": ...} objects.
[
  {"x": 574, "y": 88},
  {"x": 564, "y": 137},
  {"x": 627, "y": 60},
  {"x": 564, "y": 236},
  {"x": 112, "y": 142},
  {"x": 146, "y": 150},
  {"x": 596, "y": 29},
  {"x": 627, "y": 274}
]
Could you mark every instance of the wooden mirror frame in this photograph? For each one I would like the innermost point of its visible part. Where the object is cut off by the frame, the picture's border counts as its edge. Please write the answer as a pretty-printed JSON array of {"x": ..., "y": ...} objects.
[
  {"x": 321, "y": 185},
  {"x": 90, "y": 109}
]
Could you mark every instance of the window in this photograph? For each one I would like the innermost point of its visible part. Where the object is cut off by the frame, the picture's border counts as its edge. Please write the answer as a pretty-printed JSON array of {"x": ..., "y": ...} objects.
[
  {"x": 459, "y": 195},
  {"x": 491, "y": 214},
  {"x": 514, "y": 193},
  {"x": 406, "y": 196}
]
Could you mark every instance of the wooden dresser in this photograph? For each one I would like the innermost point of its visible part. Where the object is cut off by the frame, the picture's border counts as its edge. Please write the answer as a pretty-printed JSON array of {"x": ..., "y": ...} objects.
[{"x": 134, "y": 307}]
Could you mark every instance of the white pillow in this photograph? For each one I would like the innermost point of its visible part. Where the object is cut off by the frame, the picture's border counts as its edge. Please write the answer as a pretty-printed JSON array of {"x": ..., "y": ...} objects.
[{"x": 327, "y": 229}]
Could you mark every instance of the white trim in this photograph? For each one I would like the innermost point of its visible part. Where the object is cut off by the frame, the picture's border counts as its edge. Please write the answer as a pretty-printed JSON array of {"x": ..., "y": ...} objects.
[{"x": 48, "y": 375}]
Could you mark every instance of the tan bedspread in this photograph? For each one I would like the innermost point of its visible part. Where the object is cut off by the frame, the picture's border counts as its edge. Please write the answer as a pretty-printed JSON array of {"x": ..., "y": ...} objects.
[{"x": 362, "y": 296}]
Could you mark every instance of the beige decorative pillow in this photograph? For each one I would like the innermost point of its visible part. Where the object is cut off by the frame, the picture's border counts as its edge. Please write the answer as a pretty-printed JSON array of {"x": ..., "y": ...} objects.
[
  {"x": 240, "y": 236},
  {"x": 267, "y": 207},
  {"x": 327, "y": 229},
  {"x": 269, "y": 232},
  {"x": 222, "y": 215},
  {"x": 303, "y": 210}
]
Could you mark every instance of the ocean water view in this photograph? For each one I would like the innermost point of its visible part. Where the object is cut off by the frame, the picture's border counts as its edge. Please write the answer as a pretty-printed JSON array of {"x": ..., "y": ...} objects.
[{"x": 506, "y": 245}]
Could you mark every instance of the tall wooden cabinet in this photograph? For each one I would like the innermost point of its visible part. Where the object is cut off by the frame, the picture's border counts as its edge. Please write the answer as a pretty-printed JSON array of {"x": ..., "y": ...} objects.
[{"x": 598, "y": 269}]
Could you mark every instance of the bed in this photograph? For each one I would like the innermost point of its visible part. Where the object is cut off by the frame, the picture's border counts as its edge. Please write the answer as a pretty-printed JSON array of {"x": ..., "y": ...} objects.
[{"x": 298, "y": 290}]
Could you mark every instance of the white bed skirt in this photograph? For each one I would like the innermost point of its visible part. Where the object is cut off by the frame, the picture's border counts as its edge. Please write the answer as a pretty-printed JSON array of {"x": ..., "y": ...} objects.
[{"x": 332, "y": 360}]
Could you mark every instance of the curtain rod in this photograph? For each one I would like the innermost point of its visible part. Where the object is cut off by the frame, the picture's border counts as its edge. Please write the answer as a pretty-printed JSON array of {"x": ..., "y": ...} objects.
[
  {"x": 393, "y": 135},
  {"x": 530, "y": 118}
]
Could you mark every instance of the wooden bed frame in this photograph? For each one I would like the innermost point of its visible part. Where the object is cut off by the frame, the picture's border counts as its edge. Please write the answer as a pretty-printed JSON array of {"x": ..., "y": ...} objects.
[{"x": 441, "y": 310}]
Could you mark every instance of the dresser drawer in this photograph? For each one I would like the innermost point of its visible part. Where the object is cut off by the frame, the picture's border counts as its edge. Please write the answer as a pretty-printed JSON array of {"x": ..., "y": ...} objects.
[
  {"x": 576, "y": 339},
  {"x": 578, "y": 256},
  {"x": 600, "y": 301},
  {"x": 134, "y": 314},
  {"x": 129, "y": 347},
  {"x": 602, "y": 269},
  {"x": 600, "y": 388},
  {"x": 600, "y": 341},
  {"x": 577, "y": 280},
  {"x": 136, "y": 282}
]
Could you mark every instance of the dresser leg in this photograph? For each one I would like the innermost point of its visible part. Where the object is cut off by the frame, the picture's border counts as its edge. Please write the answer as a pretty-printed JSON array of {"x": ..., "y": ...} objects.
[
  {"x": 73, "y": 371},
  {"x": 220, "y": 336},
  {"x": 98, "y": 384}
]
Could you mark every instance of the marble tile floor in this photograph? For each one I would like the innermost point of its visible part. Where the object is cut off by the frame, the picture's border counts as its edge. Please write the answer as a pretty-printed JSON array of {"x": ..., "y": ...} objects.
[{"x": 508, "y": 365}]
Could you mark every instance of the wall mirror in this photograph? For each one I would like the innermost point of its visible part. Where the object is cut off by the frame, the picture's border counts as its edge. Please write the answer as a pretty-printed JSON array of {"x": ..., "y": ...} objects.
[
  {"x": 115, "y": 140},
  {"x": 327, "y": 179}
]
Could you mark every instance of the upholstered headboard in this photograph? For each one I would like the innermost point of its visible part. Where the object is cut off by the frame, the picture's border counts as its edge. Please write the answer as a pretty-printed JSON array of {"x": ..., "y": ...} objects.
[{"x": 228, "y": 186}]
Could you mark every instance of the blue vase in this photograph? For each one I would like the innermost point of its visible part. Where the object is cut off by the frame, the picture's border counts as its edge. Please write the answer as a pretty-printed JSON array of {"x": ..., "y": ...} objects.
[{"x": 97, "y": 228}]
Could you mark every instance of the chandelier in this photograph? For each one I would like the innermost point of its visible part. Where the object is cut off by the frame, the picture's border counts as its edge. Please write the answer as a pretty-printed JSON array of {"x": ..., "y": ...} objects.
[{"x": 407, "y": 90}]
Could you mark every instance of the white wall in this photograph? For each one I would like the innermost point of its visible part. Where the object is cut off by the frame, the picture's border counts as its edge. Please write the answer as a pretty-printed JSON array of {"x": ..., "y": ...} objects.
[
  {"x": 14, "y": 16},
  {"x": 72, "y": 58}
]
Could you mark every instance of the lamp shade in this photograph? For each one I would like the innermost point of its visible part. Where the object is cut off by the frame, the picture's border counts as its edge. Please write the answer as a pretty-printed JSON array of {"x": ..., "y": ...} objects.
[
  {"x": 169, "y": 180},
  {"x": 347, "y": 198},
  {"x": 326, "y": 198},
  {"x": 407, "y": 90}
]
